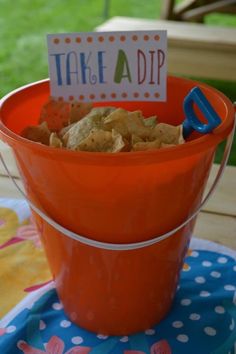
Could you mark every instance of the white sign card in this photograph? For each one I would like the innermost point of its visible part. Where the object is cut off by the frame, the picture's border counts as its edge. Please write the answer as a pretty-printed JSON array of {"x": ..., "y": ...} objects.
[{"x": 108, "y": 66}]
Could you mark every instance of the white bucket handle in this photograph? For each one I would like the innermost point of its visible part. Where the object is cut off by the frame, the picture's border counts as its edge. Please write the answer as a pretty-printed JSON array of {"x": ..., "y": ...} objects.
[{"x": 135, "y": 245}]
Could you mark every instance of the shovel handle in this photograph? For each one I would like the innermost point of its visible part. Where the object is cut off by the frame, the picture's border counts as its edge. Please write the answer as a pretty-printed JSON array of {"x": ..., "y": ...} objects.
[{"x": 191, "y": 121}]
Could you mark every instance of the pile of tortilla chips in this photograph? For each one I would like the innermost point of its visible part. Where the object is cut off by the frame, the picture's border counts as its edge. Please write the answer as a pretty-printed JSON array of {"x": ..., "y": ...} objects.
[{"x": 80, "y": 127}]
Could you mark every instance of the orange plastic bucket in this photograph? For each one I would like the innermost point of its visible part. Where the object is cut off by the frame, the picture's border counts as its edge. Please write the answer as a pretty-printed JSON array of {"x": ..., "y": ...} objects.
[{"x": 115, "y": 198}]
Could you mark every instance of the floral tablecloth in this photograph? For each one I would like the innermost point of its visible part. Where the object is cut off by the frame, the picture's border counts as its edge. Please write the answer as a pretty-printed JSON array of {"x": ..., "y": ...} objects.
[
  {"x": 23, "y": 266},
  {"x": 202, "y": 319}
]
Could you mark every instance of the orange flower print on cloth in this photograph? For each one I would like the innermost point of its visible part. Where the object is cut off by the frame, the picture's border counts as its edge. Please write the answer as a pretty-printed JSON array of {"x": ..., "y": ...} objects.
[
  {"x": 20, "y": 248},
  {"x": 161, "y": 347},
  {"x": 54, "y": 346},
  {"x": 186, "y": 266}
]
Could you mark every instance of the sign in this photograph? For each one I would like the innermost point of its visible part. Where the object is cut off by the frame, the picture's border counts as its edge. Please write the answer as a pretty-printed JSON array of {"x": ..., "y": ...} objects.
[{"x": 108, "y": 66}]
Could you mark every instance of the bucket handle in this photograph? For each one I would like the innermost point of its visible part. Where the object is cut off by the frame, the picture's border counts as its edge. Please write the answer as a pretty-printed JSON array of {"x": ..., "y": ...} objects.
[{"x": 135, "y": 245}]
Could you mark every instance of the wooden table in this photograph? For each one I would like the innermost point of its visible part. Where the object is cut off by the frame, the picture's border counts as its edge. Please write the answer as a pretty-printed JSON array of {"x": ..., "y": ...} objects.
[
  {"x": 216, "y": 222},
  {"x": 194, "y": 49}
]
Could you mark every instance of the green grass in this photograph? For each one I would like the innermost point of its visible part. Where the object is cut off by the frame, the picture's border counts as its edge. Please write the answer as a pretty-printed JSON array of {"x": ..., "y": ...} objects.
[{"x": 24, "y": 25}]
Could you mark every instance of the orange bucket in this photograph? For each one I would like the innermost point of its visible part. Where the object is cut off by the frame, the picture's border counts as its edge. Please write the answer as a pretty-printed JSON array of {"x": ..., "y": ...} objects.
[{"x": 121, "y": 278}]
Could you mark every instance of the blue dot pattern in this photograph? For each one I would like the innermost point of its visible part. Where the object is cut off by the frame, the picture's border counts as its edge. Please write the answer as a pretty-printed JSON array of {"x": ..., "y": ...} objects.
[{"x": 202, "y": 319}]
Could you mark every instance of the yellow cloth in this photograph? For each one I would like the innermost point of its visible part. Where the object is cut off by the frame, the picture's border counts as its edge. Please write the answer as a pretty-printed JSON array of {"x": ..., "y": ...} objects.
[{"x": 23, "y": 264}]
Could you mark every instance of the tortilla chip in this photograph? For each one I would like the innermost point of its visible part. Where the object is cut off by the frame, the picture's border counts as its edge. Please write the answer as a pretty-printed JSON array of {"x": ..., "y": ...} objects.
[
  {"x": 181, "y": 135},
  {"x": 78, "y": 126},
  {"x": 55, "y": 141},
  {"x": 127, "y": 147},
  {"x": 64, "y": 130},
  {"x": 56, "y": 114},
  {"x": 163, "y": 145},
  {"x": 147, "y": 145},
  {"x": 135, "y": 139},
  {"x": 78, "y": 111},
  {"x": 127, "y": 123},
  {"x": 117, "y": 120},
  {"x": 167, "y": 134},
  {"x": 81, "y": 129},
  {"x": 103, "y": 141},
  {"x": 119, "y": 143},
  {"x": 39, "y": 133},
  {"x": 150, "y": 121},
  {"x": 103, "y": 111}
]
